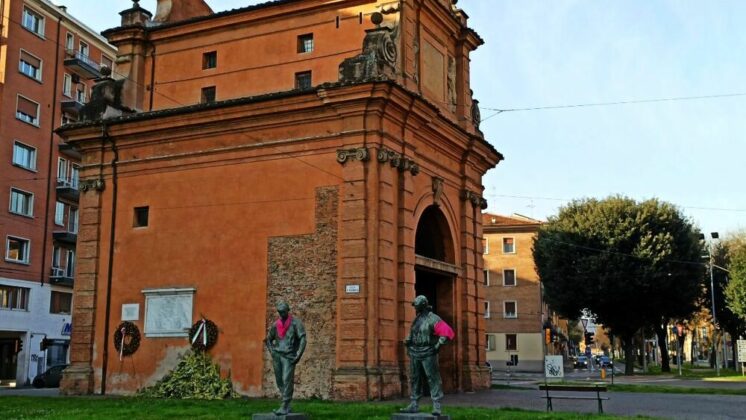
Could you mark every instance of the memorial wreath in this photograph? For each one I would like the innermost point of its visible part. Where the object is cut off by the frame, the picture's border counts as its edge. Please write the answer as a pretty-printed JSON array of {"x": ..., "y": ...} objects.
[
  {"x": 203, "y": 334},
  {"x": 126, "y": 346}
]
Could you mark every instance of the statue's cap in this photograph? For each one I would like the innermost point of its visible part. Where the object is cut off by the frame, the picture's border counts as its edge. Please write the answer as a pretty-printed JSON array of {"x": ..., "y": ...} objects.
[
  {"x": 420, "y": 300},
  {"x": 283, "y": 306}
]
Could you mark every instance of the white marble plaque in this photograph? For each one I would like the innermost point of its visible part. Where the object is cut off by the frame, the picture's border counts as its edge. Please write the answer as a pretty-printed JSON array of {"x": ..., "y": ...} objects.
[
  {"x": 168, "y": 312},
  {"x": 131, "y": 312}
]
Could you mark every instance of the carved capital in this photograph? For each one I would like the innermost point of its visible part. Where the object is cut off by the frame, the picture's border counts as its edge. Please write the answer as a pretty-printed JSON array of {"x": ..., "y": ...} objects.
[
  {"x": 475, "y": 199},
  {"x": 399, "y": 161},
  {"x": 92, "y": 185},
  {"x": 360, "y": 153}
]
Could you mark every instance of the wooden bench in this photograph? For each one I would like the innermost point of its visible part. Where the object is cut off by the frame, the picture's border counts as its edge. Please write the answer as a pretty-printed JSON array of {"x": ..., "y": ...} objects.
[{"x": 598, "y": 389}]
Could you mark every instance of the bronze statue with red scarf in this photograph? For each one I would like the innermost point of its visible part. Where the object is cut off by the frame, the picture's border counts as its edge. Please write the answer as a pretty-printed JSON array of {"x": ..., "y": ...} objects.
[{"x": 286, "y": 341}]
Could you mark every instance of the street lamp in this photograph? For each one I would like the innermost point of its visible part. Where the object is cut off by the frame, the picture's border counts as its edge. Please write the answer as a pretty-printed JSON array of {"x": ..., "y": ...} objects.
[{"x": 714, "y": 236}]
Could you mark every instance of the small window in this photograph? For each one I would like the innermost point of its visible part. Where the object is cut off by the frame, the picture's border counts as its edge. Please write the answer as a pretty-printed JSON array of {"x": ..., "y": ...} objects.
[
  {"x": 33, "y": 21},
  {"x": 67, "y": 119},
  {"x": 27, "y": 110},
  {"x": 303, "y": 80},
  {"x": 59, "y": 214},
  {"x": 62, "y": 172},
  {"x": 486, "y": 309},
  {"x": 30, "y": 65},
  {"x": 69, "y": 41},
  {"x": 305, "y": 43},
  {"x": 491, "y": 342},
  {"x": 21, "y": 202},
  {"x": 24, "y": 156},
  {"x": 72, "y": 220},
  {"x": 61, "y": 303},
  {"x": 485, "y": 246},
  {"x": 508, "y": 246},
  {"x": 511, "y": 342},
  {"x": 14, "y": 297},
  {"x": 70, "y": 264},
  {"x": 511, "y": 309},
  {"x": 509, "y": 277},
  {"x": 486, "y": 277},
  {"x": 67, "y": 85},
  {"x": 209, "y": 60},
  {"x": 208, "y": 95},
  {"x": 80, "y": 94},
  {"x": 141, "y": 216},
  {"x": 84, "y": 50},
  {"x": 17, "y": 250}
]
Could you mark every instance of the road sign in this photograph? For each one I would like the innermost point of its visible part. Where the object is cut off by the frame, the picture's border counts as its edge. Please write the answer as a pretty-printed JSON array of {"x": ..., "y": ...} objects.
[
  {"x": 742, "y": 351},
  {"x": 585, "y": 323}
]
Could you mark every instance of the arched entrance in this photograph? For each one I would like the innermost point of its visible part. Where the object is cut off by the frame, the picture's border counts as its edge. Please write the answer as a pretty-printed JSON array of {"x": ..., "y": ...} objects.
[{"x": 435, "y": 275}]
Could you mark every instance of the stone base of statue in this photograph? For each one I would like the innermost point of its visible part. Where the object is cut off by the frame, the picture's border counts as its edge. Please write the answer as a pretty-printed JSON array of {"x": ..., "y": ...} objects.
[
  {"x": 273, "y": 416},
  {"x": 419, "y": 416}
]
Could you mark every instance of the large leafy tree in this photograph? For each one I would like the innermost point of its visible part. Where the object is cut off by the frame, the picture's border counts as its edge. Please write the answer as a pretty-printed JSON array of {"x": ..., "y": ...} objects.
[
  {"x": 632, "y": 264},
  {"x": 736, "y": 289}
]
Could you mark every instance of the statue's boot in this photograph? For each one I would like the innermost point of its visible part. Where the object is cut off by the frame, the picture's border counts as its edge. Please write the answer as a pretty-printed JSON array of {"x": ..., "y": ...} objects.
[
  {"x": 436, "y": 408},
  {"x": 413, "y": 407},
  {"x": 284, "y": 409}
]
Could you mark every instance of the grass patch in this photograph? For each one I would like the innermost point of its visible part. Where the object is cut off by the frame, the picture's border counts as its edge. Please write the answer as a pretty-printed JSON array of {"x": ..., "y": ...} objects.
[
  {"x": 667, "y": 389},
  {"x": 141, "y": 408},
  {"x": 692, "y": 372}
]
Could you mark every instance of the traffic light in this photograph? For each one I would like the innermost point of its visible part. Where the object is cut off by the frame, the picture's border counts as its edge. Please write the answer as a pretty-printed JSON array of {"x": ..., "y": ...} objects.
[
  {"x": 44, "y": 344},
  {"x": 19, "y": 345},
  {"x": 589, "y": 338},
  {"x": 547, "y": 335}
]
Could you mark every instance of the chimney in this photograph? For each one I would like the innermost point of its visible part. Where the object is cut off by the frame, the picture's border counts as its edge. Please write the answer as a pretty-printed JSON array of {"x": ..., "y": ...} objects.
[{"x": 178, "y": 10}]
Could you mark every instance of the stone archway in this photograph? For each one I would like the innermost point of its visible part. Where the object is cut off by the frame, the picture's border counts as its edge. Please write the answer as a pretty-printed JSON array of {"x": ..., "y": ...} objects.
[{"x": 435, "y": 277}]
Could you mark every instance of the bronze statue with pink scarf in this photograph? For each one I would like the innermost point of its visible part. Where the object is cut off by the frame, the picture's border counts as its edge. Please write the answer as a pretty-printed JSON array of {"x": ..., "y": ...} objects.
[{"x": 286, "y": 341}]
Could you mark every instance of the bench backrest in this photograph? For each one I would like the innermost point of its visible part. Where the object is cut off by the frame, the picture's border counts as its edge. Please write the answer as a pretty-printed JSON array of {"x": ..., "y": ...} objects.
[{"x": 574, "y": 388}]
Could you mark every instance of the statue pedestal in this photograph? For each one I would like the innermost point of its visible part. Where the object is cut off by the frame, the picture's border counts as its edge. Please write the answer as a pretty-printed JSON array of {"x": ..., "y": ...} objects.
[
  {"x": 419, "y": 416},
  {"x": 273, "y": 416}
]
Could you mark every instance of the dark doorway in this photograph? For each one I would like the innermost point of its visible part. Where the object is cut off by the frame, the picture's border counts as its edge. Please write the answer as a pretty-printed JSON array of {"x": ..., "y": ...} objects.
[
  {"x": 435, "y": 254},
  {"x": 8, "y": 359}
]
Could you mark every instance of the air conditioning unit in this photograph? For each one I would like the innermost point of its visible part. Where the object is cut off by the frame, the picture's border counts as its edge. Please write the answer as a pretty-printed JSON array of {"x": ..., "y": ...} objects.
[
  {"x": 57, "y": 272},
  {"x": 76, "y": 78}
]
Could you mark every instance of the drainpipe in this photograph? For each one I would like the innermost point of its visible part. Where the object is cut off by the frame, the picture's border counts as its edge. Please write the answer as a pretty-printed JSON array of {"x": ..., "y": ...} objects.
[
  {"x": 112, "y": 231},
  {"x": 51, "y": 178}
]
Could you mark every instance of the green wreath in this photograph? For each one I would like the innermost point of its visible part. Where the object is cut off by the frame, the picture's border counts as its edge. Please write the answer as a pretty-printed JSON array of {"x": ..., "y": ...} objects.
[
  {"x": 126, "y": 338},
  {"x": 203, "y": 334}
]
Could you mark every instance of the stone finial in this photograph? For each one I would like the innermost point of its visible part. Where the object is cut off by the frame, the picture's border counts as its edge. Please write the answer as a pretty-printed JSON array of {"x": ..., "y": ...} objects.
[{"x": 378, "y": 59}]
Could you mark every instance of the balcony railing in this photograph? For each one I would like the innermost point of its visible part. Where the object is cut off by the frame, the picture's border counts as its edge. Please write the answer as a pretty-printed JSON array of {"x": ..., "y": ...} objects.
[
  {"x": 68, "y": 189},
  {"x": 62, "y": 277},
  {"x": 82, "y": 64}
]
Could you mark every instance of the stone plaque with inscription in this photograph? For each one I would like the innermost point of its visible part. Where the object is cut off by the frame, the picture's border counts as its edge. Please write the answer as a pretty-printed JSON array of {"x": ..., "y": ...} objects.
[{"x": 168, "y": 312}]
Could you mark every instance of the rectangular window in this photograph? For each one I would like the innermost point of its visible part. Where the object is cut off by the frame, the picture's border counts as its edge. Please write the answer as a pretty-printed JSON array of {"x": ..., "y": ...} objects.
[
  {"x": 509, "y": 277},
  {"x": 486, "y": 277},
  {"x": 106, "y": 61},
  {"x": 84, "y": 50},
  {"x": 17, "y": 249},
  {"x": 61, "y": 303},
  {"x": 56, "y": 259},
  {"x": 69, "y": 41},
  {"x": 67, "y": 85},
  {"x": 74, "y": 176},
  {"x": 209, "y": 60},
  {"x": 30, "y": 65},
  {"x": 72, "y": 220},
  {"x": 24, "y": 156},
  {"x": 27, "y": 110},
  {"x": 62, "y": 171},
  {"x": 80, "y": 94},
  {"x": 485, "y": 246},
  {"x": 70, "y": 267},
  {"x": 33, "y": 21},
  {"x": 208, "y": 95},
  {"x": 303, "y": 80},
  {"x": 491, "y": 342},
  {"x": 21, "y": 202},
  {"x": 511, "y": 342},
  {"x": 511, "y": 309},
  {"x": 508, "y": 246},
  {"x": 305, "y": 43},
  {"x": 14, "y": 297},
  {"x": 141, "y": 216},
  {"x": 486, "y": 309}
]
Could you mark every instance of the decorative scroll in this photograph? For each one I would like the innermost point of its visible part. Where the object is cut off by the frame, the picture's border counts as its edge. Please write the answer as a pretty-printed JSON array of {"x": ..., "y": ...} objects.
[
  {"x": 361, "y": 153},
  {"x": 399, "y": 161},
  {"x": 475, "y": 199}
]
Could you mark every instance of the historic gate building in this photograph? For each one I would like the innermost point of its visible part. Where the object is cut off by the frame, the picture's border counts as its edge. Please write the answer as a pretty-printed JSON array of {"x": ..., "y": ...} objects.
[{"x": 322, "y": 151}]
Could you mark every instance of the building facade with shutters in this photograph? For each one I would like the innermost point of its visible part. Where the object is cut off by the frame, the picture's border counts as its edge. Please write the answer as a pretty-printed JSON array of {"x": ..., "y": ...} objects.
[
  {"x": 514, "y": 312},
  {"x": 323, "y": 152},
  {"x": 48, "y": 61}
]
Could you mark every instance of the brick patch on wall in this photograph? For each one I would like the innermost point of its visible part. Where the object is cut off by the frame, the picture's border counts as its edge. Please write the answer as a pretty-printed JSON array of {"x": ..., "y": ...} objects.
[{"x": 303, "y": 271}]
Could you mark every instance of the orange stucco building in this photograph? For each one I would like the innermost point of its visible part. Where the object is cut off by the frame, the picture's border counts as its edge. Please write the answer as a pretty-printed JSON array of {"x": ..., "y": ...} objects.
[{"x": 325, "y": 152}]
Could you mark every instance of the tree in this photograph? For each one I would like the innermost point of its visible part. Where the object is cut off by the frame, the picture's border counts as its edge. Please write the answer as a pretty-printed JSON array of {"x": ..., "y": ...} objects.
[
  {"x": 631, "y": 264},
  {"x": 735, "y": 291}
]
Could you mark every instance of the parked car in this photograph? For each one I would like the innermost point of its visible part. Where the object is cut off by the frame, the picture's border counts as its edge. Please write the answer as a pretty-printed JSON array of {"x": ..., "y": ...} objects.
[
  {"x": 605, "y": 362},
  {"x": 581, "y": 362},
  {"x": 50, "y": 378}
]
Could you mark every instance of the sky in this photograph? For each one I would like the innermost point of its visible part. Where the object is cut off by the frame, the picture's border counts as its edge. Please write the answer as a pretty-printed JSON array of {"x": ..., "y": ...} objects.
[{"x": 691, "y": 153}]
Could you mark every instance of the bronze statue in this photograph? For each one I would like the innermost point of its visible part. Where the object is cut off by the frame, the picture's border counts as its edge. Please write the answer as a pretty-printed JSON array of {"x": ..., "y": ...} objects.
[
  {"x": 286, "y": 341},
  {"x": 427, "y": 334}
]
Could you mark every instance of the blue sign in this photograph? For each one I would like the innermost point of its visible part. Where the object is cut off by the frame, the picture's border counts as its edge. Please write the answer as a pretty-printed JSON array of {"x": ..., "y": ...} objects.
[{"x": 67, "y": 328}]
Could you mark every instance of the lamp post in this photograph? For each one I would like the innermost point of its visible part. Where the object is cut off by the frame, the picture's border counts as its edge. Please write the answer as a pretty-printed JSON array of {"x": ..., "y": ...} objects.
[{"x": 714, "y": 235}]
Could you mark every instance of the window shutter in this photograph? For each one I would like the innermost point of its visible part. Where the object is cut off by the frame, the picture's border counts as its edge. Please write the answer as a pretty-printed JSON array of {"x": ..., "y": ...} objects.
[
  {"x": 27, "y": 107},
  {"x": 30, "y": 59}
]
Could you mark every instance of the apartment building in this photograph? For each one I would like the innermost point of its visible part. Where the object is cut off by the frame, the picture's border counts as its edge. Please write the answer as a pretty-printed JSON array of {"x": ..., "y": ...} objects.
[
  {"x": 322, "y": 152},
  {"x": 48, "y": 61},
  {"x": 514, "y": 311}
]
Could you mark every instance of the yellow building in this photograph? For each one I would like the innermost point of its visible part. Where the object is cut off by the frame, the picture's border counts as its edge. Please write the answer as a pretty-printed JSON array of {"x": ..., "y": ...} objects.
[{"x": 513, "y": 308}]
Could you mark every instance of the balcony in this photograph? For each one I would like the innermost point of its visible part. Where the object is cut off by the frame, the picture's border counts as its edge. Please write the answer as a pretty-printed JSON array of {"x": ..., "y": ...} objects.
[
  {"x": 72, "y": 106},
  {"x": 70, "y": 151},
  {"x": 68, "y": 189},
  {"x": 61, "y": 277},
  {"x": 82, "y": 64},
  {"x": 66, "y": 236}
]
